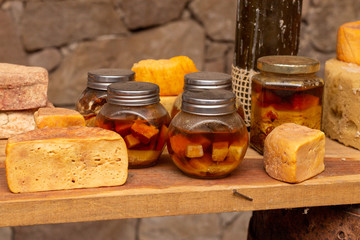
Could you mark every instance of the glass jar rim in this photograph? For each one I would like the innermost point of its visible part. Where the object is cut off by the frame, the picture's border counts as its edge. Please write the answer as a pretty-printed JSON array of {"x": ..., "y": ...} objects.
[{"x": 287, "y": 64}]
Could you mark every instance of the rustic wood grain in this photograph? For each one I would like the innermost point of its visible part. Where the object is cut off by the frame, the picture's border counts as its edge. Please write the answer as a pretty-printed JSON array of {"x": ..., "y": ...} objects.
[{"x": 163, "y": 190}]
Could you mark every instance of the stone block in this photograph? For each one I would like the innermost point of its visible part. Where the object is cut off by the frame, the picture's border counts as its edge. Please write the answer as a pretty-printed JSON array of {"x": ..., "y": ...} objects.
[
  {"x": 227, "y": 218},
  {"x": 15, "y": 10},
  {"x": 49, "y": 24},
  {"x": 6, "y": 233},
  {"x": 11, "y": 49},
  {"x": 215, "y": 50},
  {"x": 238, "y": 227},
  {"x": 141, "y": 14},
  {"x": 189, "y": 227},
  {"x": 218, "y": 17},
  {"x": 326, "y": 14},
  {"x": 48, "y": 58},
  {"x": 229, "y": 59},
  {"x": 99, "y": 230},
  {"x": 178, "y": 38},
  {"x": 217, "y": 65}
]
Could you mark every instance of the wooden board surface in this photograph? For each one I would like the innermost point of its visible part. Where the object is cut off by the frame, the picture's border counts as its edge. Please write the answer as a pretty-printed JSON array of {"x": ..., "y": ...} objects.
[{"x": 163, "y": 190}]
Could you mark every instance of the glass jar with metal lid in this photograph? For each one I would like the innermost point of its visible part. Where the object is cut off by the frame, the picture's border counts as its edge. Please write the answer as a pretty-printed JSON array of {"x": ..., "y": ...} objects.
[
  {"x": 286, "y": 90},
  {"x": 94, "y": 96},
  {"x": 199, "y": 81},
  {"x": 207, "y": 138},
  {"x": 133, "y": 110}
]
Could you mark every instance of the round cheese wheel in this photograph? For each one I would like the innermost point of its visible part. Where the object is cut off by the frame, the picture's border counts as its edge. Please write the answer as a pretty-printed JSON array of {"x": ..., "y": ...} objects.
[{"x": 348, "y": 43}]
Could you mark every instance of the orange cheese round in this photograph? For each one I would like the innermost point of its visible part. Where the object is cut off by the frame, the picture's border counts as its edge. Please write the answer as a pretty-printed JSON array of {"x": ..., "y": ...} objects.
[
  {"x": 167, "y": 73},
  {"x": 348, "y": 43}
]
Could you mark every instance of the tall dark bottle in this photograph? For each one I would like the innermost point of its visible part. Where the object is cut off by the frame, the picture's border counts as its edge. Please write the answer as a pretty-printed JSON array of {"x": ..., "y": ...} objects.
[{"x": 263, "y": 27}]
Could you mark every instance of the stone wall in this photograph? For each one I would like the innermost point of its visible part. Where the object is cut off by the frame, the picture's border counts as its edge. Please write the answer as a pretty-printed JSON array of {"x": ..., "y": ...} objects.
[{"x": 70, "y": 37}]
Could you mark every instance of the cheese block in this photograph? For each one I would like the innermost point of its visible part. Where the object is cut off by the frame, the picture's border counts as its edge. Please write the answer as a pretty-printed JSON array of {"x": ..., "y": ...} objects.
[
  {"x": 294, "y": 153},
  {"x": 168, "y": 102},
  {"x": 16, "y": 122},
  {"x": 348, "y": 43},
  {"x": 58, "y": 117},
  {"x": 22, "y": 87},
  {"x": 65, "y": 158},
  {"x": 167, "y": 73},
  {"x": 341, "y": 105}
]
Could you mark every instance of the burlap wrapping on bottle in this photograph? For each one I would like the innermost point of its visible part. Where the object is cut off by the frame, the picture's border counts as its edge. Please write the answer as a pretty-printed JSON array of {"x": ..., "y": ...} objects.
[{"x": 241, "y": 79}]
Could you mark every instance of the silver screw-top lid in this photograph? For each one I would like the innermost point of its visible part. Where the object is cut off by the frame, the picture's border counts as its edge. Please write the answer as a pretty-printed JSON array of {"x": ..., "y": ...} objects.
[
  {"x": 207, "y": 80},
  {"x": 100, "y": 79},
  {"x": 208, "y": 102},
  {"x": 133, "y": 93}
]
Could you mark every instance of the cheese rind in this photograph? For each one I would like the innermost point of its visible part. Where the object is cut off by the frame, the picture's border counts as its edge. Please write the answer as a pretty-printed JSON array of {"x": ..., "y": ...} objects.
[
  {"x": 58, "y": 117},
  {"x": 16, "y": 122},
  {"x": 65, "y": 158},
  {"x": 22, "y": 87},
  {"x": 341, "y": 105},
  {"x": 348, "y": 43},
  {"x": 294, "y": 153}
]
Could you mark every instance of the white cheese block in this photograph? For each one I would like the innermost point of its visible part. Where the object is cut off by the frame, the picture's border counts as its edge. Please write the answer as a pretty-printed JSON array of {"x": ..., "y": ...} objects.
[{"x": 341, "y": 106}]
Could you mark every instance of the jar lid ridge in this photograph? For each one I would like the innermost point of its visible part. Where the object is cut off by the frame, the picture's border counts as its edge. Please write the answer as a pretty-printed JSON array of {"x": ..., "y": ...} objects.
[
  {"x": 133, "y": 93},
  {"x": 208, "y": 102},
  {"x": 100, "y": 79},
  {"x": 207, "y": 80}
]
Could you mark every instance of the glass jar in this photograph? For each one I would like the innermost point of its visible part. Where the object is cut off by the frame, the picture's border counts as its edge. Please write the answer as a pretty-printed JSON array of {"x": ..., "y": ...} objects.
[
  {"x": 207, "y": 138},
  {"x": 286, "y": 90},
  {"x": 94, "y": 96},
  {"x": 198, "y": 81},
  {"x": 263, "y": 28},
  {"x": 133, "y": 110}
]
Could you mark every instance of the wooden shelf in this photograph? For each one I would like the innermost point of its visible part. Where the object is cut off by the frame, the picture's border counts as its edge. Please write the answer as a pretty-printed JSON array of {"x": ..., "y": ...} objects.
[{"x": 164, "y": 191}]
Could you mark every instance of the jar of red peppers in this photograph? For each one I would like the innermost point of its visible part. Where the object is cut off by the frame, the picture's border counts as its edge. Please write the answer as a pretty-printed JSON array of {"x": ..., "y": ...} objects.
[
  {"x": 133, "y": 110},
  {"x": 199, "y": 81},
  {"x": 207, "y": 138},
  {"x": 286, "y": 90},
  {"x": 94, "y": 96}
]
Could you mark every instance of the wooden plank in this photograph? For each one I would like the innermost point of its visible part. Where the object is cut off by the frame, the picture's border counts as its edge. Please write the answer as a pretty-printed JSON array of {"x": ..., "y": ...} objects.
[{"x": 163, "y": 190}]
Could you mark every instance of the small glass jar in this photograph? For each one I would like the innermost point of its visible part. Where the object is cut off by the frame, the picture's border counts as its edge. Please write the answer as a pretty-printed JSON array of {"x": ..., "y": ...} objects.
[
  {"x": 207, "y": 138},
  {"x": 198, "y": 81},
  {"x": 286, "y": 90},
  {"x": 133, "y": 110},
  {"x": 94, "y": 96}
]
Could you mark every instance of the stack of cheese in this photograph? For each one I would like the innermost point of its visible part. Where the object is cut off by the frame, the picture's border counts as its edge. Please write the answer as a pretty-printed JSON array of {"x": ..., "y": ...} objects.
[
  {"x": 341, "y": 107},
  {"x": 50, "y": 148},
  {"x": 22, "y": 91}
]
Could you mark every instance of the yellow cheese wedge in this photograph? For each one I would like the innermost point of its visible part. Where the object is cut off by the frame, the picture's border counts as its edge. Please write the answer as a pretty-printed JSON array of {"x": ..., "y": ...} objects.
[
  {"x": 58, "y": 117},
  {"x": 219, "y": 151},
  {"x": 142, "y": 158},
  {"x": 348, "y": 43},
  {"x": 294, "y": 153},
  {"x": 168, "y": 102},
  {"x": 65, "y": 158},
  {"x": 194, "y": 151}
]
